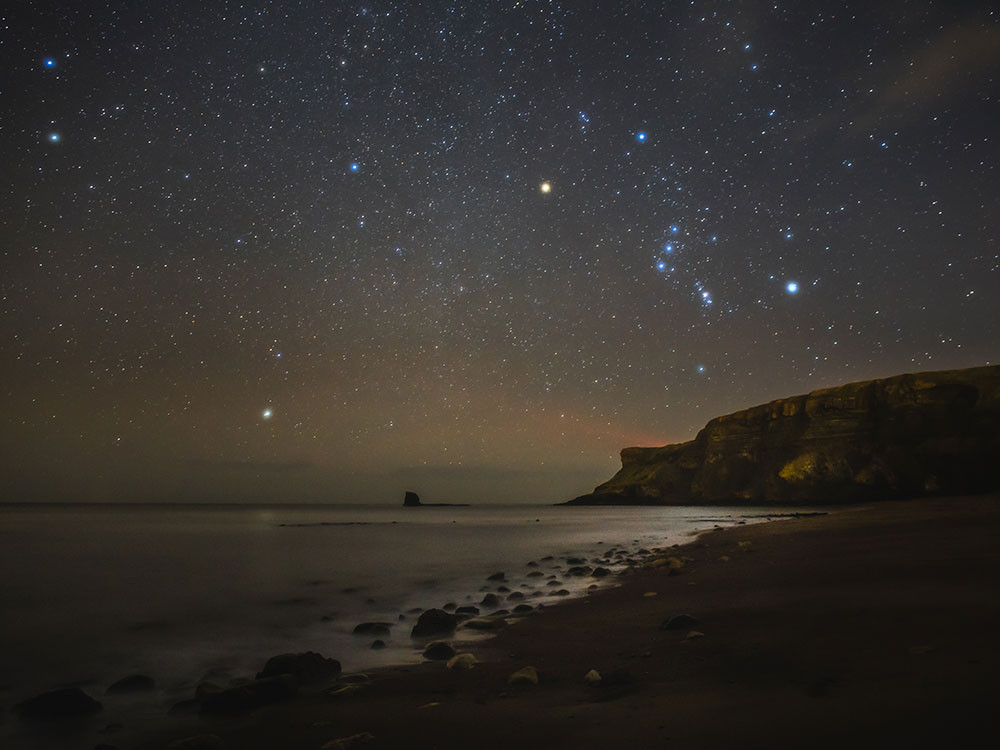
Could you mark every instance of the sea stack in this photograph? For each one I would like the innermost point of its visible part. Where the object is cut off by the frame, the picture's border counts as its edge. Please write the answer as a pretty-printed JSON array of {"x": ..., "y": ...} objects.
[
  {"x": 412, "y": 500},
  {"x": 930, "y": 433}
]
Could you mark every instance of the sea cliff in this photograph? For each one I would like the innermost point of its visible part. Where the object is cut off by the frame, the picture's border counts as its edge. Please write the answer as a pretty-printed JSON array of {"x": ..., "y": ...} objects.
[{"x": 927, "y": 433}]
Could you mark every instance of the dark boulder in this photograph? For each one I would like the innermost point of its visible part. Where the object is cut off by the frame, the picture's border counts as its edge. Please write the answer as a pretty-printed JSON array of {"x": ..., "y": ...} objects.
[
  {"x": 377, "y": 645},
  {"x": 498, "y": 576},
  {"x": 250, "y": 696},
  {"x": 411, "y": 499},
  {"x": 600, "y": 572},
  {"x": 434, "y": 622},
  {"x": 438, "y": 651},
  {"x": 307, "y": 668},
  {"x": 66, "y": 703},
  {"x": 579, "y": 570},
  {"x": 469, "y": 610},
  {"x": 522, "y": 609},
  {"x": 490, "y": 600}
]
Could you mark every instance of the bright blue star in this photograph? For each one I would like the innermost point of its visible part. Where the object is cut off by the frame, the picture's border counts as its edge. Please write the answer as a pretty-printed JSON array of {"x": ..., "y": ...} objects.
[
  {"x": 267, "y": 413},
  {"x": 641, "y": 136},
  {"x": 355, "y": 166},
  {"x": 55, "y": 137},
  {"x": 701, "y": 368},
  {"x": 792, "y": 287},
  {"x": 50, "y": 62},
  {"x": 675, "y": 229},
  {"x": 668, "y": 248},
  {"x": 661, "y": 266}
]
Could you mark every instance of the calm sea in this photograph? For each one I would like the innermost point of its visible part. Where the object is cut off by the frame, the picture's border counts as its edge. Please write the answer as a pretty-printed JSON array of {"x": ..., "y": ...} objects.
[{"x": 94, "y": 593}]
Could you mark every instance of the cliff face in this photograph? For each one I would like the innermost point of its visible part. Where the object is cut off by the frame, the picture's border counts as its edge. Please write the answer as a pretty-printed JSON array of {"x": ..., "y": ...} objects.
[{"x": 909, "y": 435}]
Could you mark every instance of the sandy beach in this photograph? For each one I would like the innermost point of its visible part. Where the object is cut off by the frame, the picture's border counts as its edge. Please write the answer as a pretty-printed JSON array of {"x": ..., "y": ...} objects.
[{"x": 872, "y": 626}]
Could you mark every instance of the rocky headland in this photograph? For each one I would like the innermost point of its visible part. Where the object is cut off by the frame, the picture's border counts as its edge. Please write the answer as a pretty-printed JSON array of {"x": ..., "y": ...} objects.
[{"x": 929, "y": 433}]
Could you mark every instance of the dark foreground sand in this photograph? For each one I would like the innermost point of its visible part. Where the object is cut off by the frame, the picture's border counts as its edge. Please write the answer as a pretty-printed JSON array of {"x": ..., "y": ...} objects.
[{"x": 869, "y": 627}]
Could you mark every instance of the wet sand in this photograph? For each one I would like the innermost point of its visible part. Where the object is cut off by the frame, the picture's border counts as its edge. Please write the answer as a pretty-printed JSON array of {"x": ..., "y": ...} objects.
[{"x": 868, "y": 627}]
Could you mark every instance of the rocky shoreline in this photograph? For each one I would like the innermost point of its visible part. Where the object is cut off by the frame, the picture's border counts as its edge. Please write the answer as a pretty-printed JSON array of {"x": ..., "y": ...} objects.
[
  {"x": 443, "y": 632},
  {"x": 872, "y": 625}
]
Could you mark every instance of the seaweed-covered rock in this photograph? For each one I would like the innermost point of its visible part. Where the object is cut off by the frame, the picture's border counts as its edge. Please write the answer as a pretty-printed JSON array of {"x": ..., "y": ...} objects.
[
  {"x": 462, "y": 661},
  {"x": 525, "y": 676}
]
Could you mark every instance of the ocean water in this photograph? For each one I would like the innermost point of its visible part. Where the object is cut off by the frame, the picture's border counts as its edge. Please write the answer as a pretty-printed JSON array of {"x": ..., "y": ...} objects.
[{"x": 97, "y": 592}]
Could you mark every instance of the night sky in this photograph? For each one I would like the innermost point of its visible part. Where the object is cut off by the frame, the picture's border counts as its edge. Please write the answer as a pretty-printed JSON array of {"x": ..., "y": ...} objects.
[{"x": 332, "y": 251}]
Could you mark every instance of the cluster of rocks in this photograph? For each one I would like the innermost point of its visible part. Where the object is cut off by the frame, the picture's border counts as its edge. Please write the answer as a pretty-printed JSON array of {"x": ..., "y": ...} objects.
[
  {"x": 281, "y": 677},
  {"x": 74, "y": 703},
  {"x": 501, "y": 599},
  {"x": 500, "y": 602}
]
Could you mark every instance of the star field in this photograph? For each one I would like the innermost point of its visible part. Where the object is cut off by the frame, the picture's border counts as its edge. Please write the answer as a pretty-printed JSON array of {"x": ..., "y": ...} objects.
[{"x": 257, "y": 251}]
